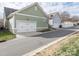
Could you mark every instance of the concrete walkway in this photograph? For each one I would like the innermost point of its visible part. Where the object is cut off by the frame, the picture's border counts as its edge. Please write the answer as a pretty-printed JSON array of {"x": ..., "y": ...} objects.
[{"x": 20, "y": 46}]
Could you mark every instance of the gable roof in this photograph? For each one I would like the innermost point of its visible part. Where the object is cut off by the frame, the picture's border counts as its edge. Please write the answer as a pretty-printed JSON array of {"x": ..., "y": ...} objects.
[
  {"x": 8, "y": 11},
  {"x": 29, "y": 7}
]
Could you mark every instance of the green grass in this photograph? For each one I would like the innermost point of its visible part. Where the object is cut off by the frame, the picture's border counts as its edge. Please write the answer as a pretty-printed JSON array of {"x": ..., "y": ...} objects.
[
  {"x": 6, "y": 35},
  {"x": 71, "y": 48}
]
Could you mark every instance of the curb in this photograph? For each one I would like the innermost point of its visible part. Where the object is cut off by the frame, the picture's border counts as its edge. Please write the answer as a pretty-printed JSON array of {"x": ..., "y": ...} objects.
[{"x": 32, "y": 53}]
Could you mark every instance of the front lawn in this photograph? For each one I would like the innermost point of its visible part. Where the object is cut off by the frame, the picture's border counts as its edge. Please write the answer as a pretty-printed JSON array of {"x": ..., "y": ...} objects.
[
  {"x": 6, "y": 35},
  {"x": 69, "y": 49}
]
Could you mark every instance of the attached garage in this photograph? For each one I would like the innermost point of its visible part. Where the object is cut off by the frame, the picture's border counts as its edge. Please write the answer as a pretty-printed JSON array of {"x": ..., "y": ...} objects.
[{"x": 29, "y": 19}]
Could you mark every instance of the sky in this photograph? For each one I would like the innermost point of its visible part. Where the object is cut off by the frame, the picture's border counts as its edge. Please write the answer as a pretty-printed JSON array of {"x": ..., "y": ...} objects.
[{"x": 71, "y": 7}]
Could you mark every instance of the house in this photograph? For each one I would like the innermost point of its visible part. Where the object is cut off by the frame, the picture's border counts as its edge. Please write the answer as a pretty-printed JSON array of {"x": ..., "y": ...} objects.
[
  {"x": 54, "y": 20},
  {"x": 67, "y": 23},
  {"x": 31, "y": 18},
  {"x": 57, "y": 21},
  {"x": 75, "y": 19},
  {"x": 7, "y": 11},
  {"x": 70, "y": 21}
]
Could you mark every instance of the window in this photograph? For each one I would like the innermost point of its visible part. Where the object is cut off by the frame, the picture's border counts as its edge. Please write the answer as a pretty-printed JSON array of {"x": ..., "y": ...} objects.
[{"x": 51, "y": 15}]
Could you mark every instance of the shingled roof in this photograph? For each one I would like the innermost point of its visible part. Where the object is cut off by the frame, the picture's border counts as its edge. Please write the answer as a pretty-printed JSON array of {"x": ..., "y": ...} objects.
[{"x": 8, "y": 11}]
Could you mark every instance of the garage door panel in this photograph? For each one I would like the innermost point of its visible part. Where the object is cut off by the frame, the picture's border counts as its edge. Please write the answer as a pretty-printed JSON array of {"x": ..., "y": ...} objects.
[{"x": 25, "y": 26}]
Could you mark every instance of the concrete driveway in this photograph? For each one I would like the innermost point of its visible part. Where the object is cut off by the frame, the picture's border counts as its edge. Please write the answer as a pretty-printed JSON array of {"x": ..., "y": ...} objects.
[{"x": 20, "y": 46}]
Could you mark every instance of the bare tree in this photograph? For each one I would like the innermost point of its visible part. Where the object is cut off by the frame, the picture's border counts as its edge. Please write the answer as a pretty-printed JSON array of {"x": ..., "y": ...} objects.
[
  {"x": 65, "y": 16},
  {"x": 75, "y": 18}
]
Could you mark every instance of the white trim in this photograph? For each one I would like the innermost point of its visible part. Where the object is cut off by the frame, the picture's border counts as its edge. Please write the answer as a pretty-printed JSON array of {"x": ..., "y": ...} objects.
[{"x": 31, "y": 15}]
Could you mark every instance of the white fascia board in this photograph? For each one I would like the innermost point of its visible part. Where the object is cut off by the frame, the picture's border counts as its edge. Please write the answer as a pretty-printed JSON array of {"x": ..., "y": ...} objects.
[{"x": 31, "y": 15}]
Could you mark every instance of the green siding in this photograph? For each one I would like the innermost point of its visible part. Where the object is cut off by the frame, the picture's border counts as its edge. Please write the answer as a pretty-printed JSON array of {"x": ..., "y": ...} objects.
[
  {"x": 31, "y": 11},
  {"x": 40, "y": 22}
]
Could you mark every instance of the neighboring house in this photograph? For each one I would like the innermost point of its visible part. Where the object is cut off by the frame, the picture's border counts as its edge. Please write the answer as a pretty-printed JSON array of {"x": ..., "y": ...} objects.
[
  {"x": 75, "y": 20},
  {"x": 67, "y": 23},
  {"x": 54, "y": 20},
  {"x": 29, "y": 19},
  {"x": 70, "y": 21}
]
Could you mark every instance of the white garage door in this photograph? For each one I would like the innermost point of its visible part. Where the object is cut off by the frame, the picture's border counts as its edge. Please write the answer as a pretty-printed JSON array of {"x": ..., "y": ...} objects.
[{"x": 25, "y": 26}]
